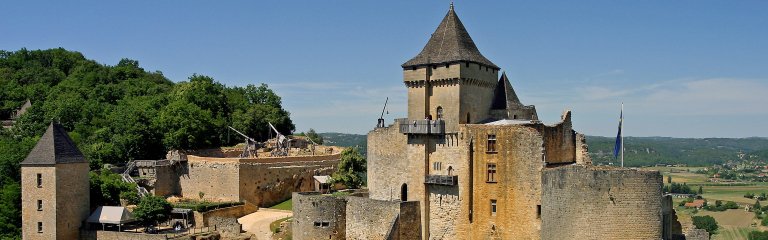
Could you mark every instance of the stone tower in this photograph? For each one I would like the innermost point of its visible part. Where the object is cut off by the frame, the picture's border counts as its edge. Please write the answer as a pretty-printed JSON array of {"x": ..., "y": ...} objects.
[
  {"x": 450, "y": 79},
  {"x": 55, "y": 191}
]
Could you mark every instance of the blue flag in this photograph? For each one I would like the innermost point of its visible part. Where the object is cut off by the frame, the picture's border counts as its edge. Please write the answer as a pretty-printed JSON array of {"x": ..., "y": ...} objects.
[{"x": 619, "y": 143}]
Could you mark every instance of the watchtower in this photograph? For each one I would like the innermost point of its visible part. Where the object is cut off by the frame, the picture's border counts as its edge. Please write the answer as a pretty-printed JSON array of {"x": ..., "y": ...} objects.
[
  {"x": 450, "y": 79},
  {"x": 55, "y": 195}
]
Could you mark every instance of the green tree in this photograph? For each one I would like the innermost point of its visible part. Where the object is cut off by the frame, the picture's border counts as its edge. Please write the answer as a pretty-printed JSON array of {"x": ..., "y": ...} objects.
[
  {"x": 756, "y": 208},
  {"x": 757, "y": 235},
  {"x": 669, "y": 179},
  {"x": 152, "y": 209},
  {"x": 107, "y": 189},
  {"x": 701, "y": 190},
  {"x": 311, "y": 134},
  {"x": 351, "y": 168},
  {"x": 707, "y": 223}
]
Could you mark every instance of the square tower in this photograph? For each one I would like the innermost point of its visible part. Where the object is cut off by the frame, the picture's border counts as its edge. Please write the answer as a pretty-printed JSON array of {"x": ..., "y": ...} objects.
[
  {"x": 450, "y": 79},
  {"x": 55, "y": 191}
]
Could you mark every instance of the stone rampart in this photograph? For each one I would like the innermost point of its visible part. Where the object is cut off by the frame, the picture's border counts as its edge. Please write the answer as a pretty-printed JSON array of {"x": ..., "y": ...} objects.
[
  {"x": 588, "y": 202},
  {"x": 113, "y": 235},
  {"x": 377, "y": 219},
  {"x": 317, "y": 216},
  {"x": 258, "y": 182},
  {"x": 228, "y": 227},
  {"x": 203, "y": 218}
]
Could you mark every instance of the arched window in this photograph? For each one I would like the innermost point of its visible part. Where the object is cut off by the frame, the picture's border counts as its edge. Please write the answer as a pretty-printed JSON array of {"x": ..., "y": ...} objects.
[
  {"x": 450, "y": 170},
  {"x": 404, "y": 192},
  {"x": 439, "y": 112}
]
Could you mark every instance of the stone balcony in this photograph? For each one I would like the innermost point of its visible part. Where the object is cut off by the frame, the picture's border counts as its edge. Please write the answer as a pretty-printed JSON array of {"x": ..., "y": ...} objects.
[
  {"x": 422, "y": 126},
  {"x": 446, "y": 180}
]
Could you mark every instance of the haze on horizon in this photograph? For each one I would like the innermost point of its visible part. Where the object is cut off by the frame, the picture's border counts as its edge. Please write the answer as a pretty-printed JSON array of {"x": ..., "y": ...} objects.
[{"x": 683, "y": 69}]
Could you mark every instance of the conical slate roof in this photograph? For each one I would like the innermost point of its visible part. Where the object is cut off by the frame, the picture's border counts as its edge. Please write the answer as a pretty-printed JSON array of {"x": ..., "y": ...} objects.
[
  {"x": 504, "y": 94},
  {"x": 54, "y": 147},
  {"x": 450, "y": 43}
]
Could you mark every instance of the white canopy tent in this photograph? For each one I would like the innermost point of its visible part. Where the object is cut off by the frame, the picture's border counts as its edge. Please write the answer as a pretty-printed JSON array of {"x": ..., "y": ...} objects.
[{"x": 111, "y": 215}]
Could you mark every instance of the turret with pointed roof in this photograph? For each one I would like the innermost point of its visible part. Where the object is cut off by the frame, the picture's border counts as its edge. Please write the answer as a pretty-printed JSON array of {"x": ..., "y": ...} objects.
[
  {"x": 54, "y": 147},
  {"x": 450, "y": 43}
]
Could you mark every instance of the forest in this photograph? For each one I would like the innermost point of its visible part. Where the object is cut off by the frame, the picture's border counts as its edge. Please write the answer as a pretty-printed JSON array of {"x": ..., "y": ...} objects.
[{"x": 118, "y": 113}]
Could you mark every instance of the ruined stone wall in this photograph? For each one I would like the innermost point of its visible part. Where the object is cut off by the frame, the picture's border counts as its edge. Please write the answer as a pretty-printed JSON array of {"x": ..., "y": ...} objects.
[
  {"x": 387, "y": 158},
  {"x": 588, "y": 202},
  {"x": 377, "y": 219},
  {"x": 218, "y": 180},
  {"x": 582, "y": 150},
  {"x": 318, "y": 216},
  {"x": 228, "y": 227},
  {"x": 697, "y": 234},
  {"x": 30, "y": 193},
  {"x": 72, "y": 188},
  {"x": 267, "y": 184},
  {"x": 258, "y": 182},
  {"x": 203, "y": 219},
  {"x": 559, "y": 141},
  {"x": 516, "y": 186},
  {"x": 166, "y": 181}
]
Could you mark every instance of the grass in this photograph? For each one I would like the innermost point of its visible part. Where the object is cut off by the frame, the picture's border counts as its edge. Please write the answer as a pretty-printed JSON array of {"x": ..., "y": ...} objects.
[
  {"x": 732, "y": 233},
  {"x": 275, "y": 227},
  {"x": 286, "y": 205}
]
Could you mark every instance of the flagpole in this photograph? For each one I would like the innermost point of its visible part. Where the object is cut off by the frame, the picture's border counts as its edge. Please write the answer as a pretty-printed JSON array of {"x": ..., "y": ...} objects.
[{"x": 622, "y": 134}]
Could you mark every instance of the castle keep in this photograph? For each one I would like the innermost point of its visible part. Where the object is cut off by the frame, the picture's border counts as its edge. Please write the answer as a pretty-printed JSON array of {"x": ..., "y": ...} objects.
[{"x": 481, "y": 165}]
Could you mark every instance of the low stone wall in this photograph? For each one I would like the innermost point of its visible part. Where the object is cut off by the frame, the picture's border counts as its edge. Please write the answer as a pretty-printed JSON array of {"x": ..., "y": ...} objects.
[
  {"x": 378, "y": 219},
  {"x": 318, "y": 216},
  {"x": 203, "y": 219},
  {"x": 228, "y": 227},
  {"x": 110, "y": 235},
  {"x": 587, "y": 202}
]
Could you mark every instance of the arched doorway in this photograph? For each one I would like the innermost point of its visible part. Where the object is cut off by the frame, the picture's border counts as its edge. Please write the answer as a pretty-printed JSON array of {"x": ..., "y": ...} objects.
[
  {"x": 404, "y": 192},
  {"x": 439, "y": 112}
]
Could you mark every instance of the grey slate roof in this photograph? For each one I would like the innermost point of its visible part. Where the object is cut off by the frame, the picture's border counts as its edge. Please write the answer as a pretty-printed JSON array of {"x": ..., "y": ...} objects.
[
  {"x": 504, "y": 94},
  {"x": 54, "y": 147},
  {"x": 450, "y": 43}
]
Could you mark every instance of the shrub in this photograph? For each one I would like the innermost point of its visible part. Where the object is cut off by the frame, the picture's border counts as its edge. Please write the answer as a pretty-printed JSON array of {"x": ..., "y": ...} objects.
[{"x": 707, "y": 223}]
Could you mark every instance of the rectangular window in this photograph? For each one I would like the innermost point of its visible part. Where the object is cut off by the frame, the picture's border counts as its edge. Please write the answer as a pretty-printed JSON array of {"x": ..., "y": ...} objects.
[
  {"x": 493, "y": 207},
  {"x": 39, "y": 205},
  {"x": 437, "y": 166},
  {"x": 39, "y": 227},
  {"x": 538, "y": 211},
  {"x": 491, "y": 172},
  {"x": 491, "y": 146},
  {"x": 325, "y": 224},
  {"x": 39, "y": 180},
  {"x": 317, "y": 224}
]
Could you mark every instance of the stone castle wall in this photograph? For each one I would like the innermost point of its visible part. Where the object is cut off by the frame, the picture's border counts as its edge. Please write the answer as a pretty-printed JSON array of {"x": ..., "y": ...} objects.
[
  {"x": 586, "y": 202},
  {"x": 30, "y": 193},
  {"x": 258, "y": 182},
  {"x": 202, "y": 219},
  {"x": 72, "y": 182},
  {"x": 311, "y": 209},
  {"x": 516, "y": 186},
  {"x": 559, "y": 141},
  {"x": 376, "y": 219},
  {"x": 387, "y": 158}
]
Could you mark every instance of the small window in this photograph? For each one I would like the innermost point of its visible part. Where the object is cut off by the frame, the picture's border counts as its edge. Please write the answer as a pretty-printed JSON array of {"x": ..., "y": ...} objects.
[
  {"x": 466, "y": 64},
  {"x": 538, "y": 211},
  {"x": 493, "y": 207},
  {"x": 447, "y": 65},
  {"x": 439, "y": 112},
  {"x": 39, "y": 205},
  {"x": 39, "y": 227},
  {"x": 491, "y": 147},
  {"x": 325, "y": 224},
  {"x": 450, "y": 171},
  {"x": 434, "y": 67},
  {"x": 437, "y": 166},
  {"x": 317, "y": 224},
  {"x": 39, "y": 180},
  {"x": 491, "y": 172}
]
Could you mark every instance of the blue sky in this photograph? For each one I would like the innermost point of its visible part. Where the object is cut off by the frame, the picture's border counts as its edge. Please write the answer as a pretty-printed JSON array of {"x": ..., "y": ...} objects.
[{"x": 682, "y": 68}]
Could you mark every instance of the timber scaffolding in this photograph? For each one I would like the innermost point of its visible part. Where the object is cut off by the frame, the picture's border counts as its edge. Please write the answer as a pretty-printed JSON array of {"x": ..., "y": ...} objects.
[{"x": 131, "y": 166}]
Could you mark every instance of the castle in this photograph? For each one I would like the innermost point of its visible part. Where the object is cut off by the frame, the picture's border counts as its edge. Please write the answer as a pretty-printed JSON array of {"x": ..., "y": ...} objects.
[{"x": 471, "y": 161}]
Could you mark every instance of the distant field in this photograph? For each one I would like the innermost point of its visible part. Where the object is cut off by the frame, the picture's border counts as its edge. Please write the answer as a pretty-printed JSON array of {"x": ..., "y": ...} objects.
[{"x": 733, "y": 233}]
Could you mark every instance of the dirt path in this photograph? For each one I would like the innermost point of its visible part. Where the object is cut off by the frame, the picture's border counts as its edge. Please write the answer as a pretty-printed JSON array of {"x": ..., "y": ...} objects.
[{"x": 258, "y": 222}]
